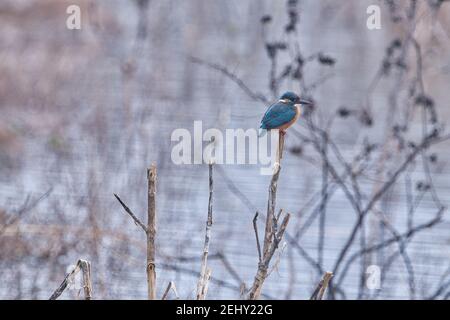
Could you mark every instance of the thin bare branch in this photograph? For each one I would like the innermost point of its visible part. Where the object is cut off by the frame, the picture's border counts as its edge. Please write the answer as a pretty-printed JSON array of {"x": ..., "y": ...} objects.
[
  {"x": 132, "y": 215},
  {"x": 254, "y": 95},
  {"x": 406, "y": 235},
  {"x": 258, "y": 245}
]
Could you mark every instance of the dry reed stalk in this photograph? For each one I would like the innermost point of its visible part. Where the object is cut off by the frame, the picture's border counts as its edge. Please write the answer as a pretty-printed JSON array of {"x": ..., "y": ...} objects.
[
  {"x": 151, "y": 232},
  {"x": 205, "y": 272},
  {"x": 150, "y": 229}
]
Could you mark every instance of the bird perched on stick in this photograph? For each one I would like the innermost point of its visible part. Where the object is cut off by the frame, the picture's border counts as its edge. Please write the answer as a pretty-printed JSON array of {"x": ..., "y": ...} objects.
[{"x": 283, "y": 114}]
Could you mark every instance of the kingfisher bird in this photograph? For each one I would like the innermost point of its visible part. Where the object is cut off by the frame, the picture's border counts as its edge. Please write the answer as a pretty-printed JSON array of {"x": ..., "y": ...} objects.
[{"x": 283, "y": 114}]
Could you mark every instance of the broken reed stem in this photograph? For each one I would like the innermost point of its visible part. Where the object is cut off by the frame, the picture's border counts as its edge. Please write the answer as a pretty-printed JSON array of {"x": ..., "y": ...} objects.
[
  {"x": 322, "y": 286},
  {"x": 205, "y": 273},
  {"x": 85, "y": 268},
  {"x": 151, "y": 232},
  {"x": 273, "y": 233},
  {"x": 87, "y": 284}
]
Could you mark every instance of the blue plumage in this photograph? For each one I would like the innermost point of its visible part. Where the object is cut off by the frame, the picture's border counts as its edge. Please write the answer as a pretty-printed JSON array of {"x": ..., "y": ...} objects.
[
  {"x": 278, "y": 114},
  {"x": 284, "y": 113}
]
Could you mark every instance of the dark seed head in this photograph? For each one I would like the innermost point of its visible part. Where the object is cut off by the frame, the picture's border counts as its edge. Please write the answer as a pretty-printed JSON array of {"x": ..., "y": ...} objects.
[{"x": 266, "y": 19}]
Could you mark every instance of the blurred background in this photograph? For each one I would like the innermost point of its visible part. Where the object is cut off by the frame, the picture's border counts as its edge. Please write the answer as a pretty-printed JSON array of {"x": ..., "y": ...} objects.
[{"x": 85, "y": 112}]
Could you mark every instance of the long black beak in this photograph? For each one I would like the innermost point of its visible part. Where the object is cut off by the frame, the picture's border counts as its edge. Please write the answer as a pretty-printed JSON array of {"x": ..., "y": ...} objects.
[{"x": 305, "y": 102}]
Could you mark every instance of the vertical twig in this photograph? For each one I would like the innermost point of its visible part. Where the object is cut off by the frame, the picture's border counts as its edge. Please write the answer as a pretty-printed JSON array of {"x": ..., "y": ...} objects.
[
  {"x": 205, "y": 273},
  {"x": 281, "y": 144},
  {"x": 280, "y": 148},
  {"x": 322, "y": 286},
  {"x": 151, "y": 232}
]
